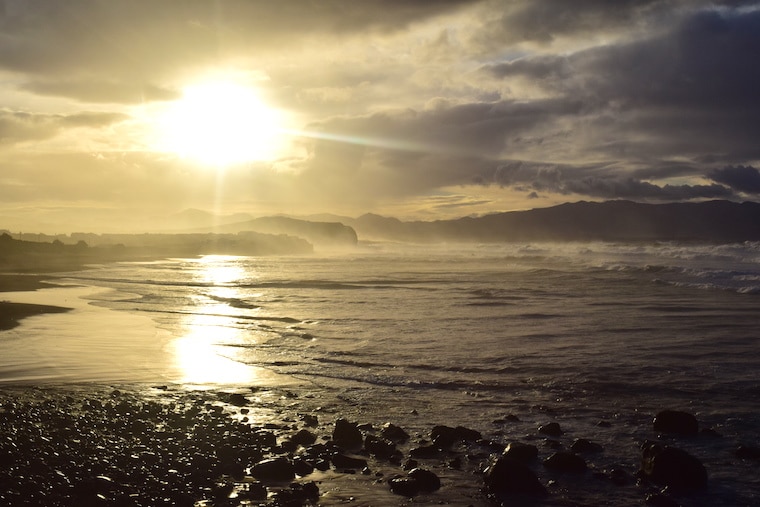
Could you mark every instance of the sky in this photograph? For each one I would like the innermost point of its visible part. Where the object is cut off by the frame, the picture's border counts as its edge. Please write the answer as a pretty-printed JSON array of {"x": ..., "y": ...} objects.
[{"x": 116, "y": 113}]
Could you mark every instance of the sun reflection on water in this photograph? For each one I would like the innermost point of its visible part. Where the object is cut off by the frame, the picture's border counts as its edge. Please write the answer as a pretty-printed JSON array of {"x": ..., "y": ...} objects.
[{"x": 209, "y": 352}]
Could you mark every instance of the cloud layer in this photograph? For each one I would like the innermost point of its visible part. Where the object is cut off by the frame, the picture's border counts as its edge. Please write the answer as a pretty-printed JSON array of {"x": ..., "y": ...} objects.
[{"x": 419, "y": 107}]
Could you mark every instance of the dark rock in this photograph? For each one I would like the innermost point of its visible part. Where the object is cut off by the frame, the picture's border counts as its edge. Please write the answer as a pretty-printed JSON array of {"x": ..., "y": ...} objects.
[
  {"x": 675, "y": 421},
  {"x": 660, "y": 500},
  {"x": 604, "y": 424},
  {"x": 552, "y": 429},
  {"x": 310, "y": 420},
  {"x": 710, "y": 432},
  {"x": 565, "y": 462},
  {"x": 524, "y": 453},
  {"x": 512, "y": 418},
  {"x": 304, "y": 438},
  {"x": 446, "y": 436},
  {"x": 237, "y": 399},
  {"x": 425, "y": 451},
  {"x": 426, "y": 479},
  {"x": 509, "y": 476},
  {"x": 443, "y": 436},
  {"x": 404, "y": 486},
  {"x": 379, "y": 447},
  {"x": 670, "y": 466},
  {"x": 410, "y": 464},
  {"x": 302, "y": 468},
  {"x": 347, "y": 434},
  {"x": 394, "y": 433},
  {"x": 297, "y": 495},
  {"x": 619, "y": 477},
  {"x": 251, "y": 491},
  {"x": 342, "y": 462},
  {"x": 748, "y": 452},
  {"x": 274, "y": 469},
  {"x": 582, "y": 445}
]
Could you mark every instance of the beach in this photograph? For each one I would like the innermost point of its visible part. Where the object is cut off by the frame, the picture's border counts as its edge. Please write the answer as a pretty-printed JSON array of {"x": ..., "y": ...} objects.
[{"x": 261, "y": 381}]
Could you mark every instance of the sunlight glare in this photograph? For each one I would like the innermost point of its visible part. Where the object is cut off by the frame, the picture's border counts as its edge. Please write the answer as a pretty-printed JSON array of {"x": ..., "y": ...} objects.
[{"x": 220, "y": 123}]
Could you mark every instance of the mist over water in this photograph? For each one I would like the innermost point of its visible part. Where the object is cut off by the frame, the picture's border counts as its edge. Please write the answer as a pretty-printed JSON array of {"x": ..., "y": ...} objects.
[{"x": 463, "y": 334}]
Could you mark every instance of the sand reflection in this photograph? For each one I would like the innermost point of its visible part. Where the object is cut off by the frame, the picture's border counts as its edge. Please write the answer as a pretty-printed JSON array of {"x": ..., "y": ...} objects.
[{"x": 209, "y": 351}]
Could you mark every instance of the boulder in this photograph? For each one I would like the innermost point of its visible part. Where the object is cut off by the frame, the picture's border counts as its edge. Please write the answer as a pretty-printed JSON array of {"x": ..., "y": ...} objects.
[
  {"x": 342, "y": 461},
  {"x": 552, "y": 429},
  {"x": 524, "y": 453},
  {"x": 748, "y": 452},
  {"x": 394, "y": 433},
  {"x": 446, "y": 436},
  {"x": 565, "y": 462},
  {"x": 347, "y": 434},
  {"x": 379, "y": 447},
  {"x": 509, "y": 476},
  {"x": 304, "y": 438},
  {"x": 581, "y": 445},
  {"x": 275, "y": 469},
  {"x": 675, "y": 421},
  {"x": 427, "y": 480},
  {"x": 673, "y": 467},
  {"x": 404, "y": 486}
]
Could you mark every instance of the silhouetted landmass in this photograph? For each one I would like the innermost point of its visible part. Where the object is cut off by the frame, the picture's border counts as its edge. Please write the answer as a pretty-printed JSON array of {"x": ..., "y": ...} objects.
[
  {"x": 331, "y": 234},
  {"x": 33, "y": 256},
  {"x": 713, "y": 221}
]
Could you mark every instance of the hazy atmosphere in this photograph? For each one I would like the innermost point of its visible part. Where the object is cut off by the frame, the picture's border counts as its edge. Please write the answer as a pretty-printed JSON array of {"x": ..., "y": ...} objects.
[{"x": 118, "y": 112}]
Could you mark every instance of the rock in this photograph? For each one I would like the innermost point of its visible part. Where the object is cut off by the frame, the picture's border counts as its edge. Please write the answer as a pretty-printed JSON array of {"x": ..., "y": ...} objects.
[
  {"x": 251, "y": 491},
  {"x": 343, "y": 462},
  {"x": 347, "y": 434},
  {"x": 675, "y": 421},
  {"x": 509, "y": 476},
  {"x": 237, "y": 399},
  {"x": 748, "y": 452},
  {"x": 304, "y": 438},
  {"x": 582, "y": 445},
  {"x": 673, "y": 467},
  {"x": 446, "y": 436},
  {"x": 426, "y": 480},
  {"x": 425, "y": 451},
  {"x": 394, "y": 433},
  {"x": 297, "y": 494},
  {"x": 660, "y": 500},
  {"x": 524, "y": 453},
  {"x": 310, "y": 420},
  {"x": 274, "y": 469},
  {"x": 404, "y": 486},
  {"x": 410, "y": 464},
  {"x": 552, "y": 429},
  {"x": 302, "y": 467},
  {"x": 379, "y": 447},
  {"x": 565, "y": 462}
]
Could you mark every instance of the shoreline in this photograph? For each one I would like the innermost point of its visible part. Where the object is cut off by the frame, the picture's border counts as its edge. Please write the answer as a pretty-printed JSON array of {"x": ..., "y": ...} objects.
[{"x": 11, "y": 314}]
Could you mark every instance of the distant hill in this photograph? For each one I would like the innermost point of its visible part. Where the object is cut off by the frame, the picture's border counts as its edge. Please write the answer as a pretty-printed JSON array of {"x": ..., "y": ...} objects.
[
  {"x": 333, "y": 234},
  {"x": 712, "y": 221}
]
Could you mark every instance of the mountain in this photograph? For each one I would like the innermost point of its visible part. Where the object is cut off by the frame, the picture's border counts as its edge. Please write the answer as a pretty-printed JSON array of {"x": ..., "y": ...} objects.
[
  {"x": 332, "y": 234},
  {"x": 712, "y": 221}
]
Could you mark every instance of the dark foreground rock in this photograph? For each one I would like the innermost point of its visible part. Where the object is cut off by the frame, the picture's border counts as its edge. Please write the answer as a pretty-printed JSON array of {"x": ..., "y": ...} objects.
[
  {"x": 507, "y": 476},
  {"x": 669, "y": 466},
  {"x": 675, "y": 421}
]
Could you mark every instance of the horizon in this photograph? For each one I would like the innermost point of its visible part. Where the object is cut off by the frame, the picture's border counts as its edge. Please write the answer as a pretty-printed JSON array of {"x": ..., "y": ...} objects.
[{"x": 116, "y": 114}]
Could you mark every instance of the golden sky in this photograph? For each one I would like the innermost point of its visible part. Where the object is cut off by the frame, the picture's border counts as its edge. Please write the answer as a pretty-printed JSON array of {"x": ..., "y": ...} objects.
[{"x": 114, "y": 113}]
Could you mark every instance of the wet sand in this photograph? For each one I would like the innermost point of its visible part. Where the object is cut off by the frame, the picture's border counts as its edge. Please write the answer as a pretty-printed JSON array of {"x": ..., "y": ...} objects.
[{"x": 12, "y": 313}]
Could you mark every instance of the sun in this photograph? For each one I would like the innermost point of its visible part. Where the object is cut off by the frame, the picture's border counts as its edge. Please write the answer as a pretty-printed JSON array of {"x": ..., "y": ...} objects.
[{"x": 220, "y": 123}]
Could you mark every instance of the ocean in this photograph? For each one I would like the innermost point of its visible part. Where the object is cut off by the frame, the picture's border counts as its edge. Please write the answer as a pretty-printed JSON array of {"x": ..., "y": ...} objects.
[{"x": 468, "y": 335}]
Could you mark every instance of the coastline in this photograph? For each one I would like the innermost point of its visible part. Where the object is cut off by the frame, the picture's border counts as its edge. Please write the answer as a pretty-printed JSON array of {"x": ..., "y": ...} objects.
[{"x": 11, "y": 313}]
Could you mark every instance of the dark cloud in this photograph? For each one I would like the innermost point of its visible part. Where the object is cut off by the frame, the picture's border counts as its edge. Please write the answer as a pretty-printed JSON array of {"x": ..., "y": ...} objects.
[
  {"x": 745, "y": 179},
  {"x": 141, "y": 41}
]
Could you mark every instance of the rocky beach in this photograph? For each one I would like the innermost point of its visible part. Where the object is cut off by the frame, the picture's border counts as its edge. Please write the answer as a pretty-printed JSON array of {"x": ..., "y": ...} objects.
[{"x": 143, "y": 445}]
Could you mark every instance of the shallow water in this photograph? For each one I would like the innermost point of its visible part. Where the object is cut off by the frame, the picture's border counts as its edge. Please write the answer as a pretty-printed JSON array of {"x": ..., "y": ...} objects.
[{"x": 574, "y": 333}]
